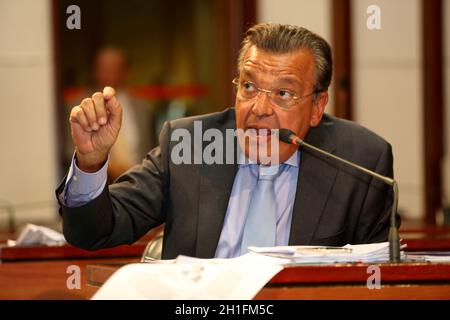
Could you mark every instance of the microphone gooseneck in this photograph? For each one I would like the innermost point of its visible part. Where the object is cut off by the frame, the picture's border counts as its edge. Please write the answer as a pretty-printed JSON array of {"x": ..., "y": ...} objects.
[{"x": 289, "y": 137}]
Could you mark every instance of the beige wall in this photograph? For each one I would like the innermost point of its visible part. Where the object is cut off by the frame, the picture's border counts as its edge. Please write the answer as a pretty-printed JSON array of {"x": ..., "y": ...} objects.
[
  {"x": 27, "y": 135},
  {"x": 387, "y": 89}
]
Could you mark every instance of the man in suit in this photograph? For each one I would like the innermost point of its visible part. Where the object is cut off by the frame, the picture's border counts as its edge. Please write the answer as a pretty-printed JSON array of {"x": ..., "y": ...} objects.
[{"x": 216, "y": 210}]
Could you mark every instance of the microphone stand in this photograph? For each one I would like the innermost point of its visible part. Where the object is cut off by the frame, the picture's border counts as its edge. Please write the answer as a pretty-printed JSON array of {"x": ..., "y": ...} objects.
[{"x": 394, "y": 240}]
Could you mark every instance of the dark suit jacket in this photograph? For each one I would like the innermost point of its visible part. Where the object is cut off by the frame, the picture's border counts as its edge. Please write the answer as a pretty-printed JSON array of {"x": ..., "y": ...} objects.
[{"x": 334, "y": 204}]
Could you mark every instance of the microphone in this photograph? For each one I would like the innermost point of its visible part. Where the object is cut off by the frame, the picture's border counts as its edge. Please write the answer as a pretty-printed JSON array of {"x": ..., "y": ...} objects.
[{"x": 289, "y": 137}]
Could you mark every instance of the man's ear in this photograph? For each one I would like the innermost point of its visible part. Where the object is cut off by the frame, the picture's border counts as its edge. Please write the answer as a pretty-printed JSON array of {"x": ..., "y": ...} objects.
[{"x": 318, "y": 108}]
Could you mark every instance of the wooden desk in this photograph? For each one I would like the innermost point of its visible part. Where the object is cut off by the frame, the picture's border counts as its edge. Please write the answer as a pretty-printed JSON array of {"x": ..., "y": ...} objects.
[
  {"x": 349, "y": 282},
  {"x": 40, "y": 273},
  {"x": 9, "y": 254},
  {"x": 41, "y": 253},
  {"x": 341, "y": 281},
  {"x": 47, "y": 279}
]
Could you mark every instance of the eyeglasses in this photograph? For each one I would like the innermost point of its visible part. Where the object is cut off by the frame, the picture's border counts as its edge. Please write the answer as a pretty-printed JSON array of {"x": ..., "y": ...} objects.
[{"x": 283, "y": 98}]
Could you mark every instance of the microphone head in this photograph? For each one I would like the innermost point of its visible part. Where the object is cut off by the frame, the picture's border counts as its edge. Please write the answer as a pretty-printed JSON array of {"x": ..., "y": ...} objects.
[{"x": 286, "y": 135}]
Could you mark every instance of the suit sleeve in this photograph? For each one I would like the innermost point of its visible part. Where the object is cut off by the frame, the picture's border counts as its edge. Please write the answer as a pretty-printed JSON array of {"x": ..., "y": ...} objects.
[
  {"x": 125, "y": 210},
  {"x": 374, "y": 221}
]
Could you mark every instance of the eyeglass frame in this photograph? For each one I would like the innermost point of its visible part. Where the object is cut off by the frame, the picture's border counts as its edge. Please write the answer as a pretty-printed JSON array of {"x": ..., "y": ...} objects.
[{"x": 236, "y": 82}]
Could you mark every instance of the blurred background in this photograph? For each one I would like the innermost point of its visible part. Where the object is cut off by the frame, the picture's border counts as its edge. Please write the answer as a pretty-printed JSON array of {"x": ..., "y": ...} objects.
[{"x": 170, "y": 59}]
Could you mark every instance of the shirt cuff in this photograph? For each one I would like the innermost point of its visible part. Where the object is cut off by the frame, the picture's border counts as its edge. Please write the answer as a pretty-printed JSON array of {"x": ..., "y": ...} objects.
[{"x": 82, "y": 187}]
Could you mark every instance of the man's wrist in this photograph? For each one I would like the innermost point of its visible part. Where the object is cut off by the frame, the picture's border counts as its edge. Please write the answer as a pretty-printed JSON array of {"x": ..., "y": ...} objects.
[{"x": 90, "y": 163}]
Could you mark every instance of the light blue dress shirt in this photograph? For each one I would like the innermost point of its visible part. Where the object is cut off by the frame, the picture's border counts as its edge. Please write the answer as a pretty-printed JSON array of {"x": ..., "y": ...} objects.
[
  {"x": 82, "y": 187},
  {"x": 244, "y": 183}
]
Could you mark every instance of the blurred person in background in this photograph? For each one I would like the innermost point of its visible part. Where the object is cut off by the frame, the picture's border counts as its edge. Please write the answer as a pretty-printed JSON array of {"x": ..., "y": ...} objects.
[{"x": 111, "y": 67}]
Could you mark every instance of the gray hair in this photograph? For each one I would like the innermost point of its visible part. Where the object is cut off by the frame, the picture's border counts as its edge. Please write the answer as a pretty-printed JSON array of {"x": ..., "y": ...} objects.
[{"x": 280, "y": 38}]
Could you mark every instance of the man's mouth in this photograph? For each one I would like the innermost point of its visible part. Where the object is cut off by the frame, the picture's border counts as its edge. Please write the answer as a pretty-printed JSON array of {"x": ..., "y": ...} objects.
[{"x": 259, "y": 131}]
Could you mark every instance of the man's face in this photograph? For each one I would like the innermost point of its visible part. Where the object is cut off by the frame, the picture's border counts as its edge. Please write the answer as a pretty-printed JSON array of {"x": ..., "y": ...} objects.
[
  {"x": 110, "y": 69},
  {"x": 293, "y": 72}
]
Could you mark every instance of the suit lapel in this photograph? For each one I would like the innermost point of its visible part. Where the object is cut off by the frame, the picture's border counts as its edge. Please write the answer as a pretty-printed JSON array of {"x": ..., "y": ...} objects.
[
  {"x": 216, "y": 183},
  {"x": 315, "y": 180}
]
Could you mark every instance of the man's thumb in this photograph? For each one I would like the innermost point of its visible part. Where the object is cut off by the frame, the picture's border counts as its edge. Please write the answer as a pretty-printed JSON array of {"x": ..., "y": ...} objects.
[{"x": 109, "y": 94}]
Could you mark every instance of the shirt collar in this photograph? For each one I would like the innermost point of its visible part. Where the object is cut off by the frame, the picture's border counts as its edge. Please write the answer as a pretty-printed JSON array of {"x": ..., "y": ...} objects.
[{"x": 293, "y": 161}]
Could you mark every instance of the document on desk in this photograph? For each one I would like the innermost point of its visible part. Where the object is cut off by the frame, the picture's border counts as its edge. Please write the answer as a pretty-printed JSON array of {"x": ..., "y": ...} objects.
[
  {"x": 191, "y": 278},
  {"x": 429, "y": 256},
  {"x": 366, "y": 253}
]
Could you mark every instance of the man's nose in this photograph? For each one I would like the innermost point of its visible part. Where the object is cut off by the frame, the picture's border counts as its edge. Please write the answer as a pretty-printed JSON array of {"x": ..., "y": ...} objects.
[{"x": 262, "y": 106}]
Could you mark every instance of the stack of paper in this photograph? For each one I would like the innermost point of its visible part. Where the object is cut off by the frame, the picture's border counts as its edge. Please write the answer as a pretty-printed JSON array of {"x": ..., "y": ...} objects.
[{"x": 365, "y": 253}]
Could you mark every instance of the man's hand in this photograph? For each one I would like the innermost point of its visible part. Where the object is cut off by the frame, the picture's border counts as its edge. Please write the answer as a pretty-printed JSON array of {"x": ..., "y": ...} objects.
[{"x": 94, "y": 126}]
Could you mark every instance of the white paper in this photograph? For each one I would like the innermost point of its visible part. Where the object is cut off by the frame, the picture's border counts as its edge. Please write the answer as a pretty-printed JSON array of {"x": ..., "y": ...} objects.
[
  {"x": 190, "y": 278},
  {"x": 33, "y": 235},
  {"x": 429, "y": 256},
  {"x": 365, "y": 253}
]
